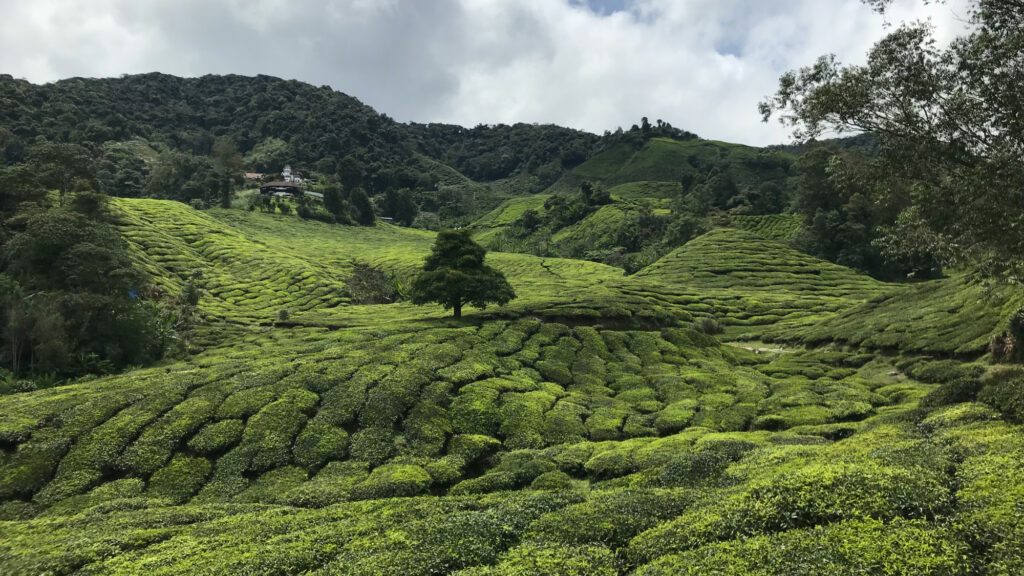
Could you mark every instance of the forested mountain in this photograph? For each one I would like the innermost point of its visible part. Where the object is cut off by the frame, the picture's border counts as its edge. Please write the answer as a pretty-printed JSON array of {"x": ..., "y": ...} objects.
[{"x": 273, "y": 122}]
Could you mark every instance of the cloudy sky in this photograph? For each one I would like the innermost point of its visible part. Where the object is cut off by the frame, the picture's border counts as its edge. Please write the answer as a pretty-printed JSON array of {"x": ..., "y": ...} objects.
[{"x": 592, "y": 64}]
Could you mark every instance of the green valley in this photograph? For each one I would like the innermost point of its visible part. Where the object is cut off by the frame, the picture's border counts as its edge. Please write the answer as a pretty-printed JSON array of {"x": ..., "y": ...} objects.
[
  {"x": 253, "y": 326},
  {"x": 592, "y": 425}
]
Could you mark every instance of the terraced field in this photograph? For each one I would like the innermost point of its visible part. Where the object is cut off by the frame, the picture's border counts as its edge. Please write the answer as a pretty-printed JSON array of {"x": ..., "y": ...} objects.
[
  {"x": 252, "y": 265},
  {"x": 511, "y": 210},
  {"x": 778, "y": 227},
  {"x": 644, "y": 191},
  {"x": 750, "y": 284},
  {"x": 588, "y": 427},
  {"x": 956, "y": 315},
  {"x": 666, "y": 160}
]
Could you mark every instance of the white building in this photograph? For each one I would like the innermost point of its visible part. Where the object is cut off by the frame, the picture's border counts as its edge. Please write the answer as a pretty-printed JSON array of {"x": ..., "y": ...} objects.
[{"x": 288, "y": 176}]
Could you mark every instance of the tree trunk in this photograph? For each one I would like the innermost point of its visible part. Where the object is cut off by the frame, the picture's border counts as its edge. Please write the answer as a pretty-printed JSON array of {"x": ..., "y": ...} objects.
[{"x": 458, "y": 310}]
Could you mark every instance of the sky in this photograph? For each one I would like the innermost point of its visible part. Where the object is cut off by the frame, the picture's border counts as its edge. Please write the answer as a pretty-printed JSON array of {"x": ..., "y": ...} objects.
[{"x": 701, "y": 65}]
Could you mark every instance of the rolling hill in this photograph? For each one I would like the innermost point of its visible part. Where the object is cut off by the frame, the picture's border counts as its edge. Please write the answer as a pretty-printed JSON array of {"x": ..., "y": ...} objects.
[{"x": 588, "y": 427}]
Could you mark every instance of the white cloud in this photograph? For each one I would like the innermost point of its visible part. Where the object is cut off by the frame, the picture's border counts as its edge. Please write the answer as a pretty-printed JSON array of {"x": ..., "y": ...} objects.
[{"x": 700, "y": 64}]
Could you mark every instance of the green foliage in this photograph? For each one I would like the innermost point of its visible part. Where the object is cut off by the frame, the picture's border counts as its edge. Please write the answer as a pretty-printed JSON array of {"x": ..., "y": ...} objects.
[
  {"x": 318, "y": 444},
  {"x": 588, "y": 427},
  {"x": 363, "y": 213},
  {"x": 373, "y": 445},
  {"x": 371, "y": 285},
  {"x": 180, "y": 479},
  {"x": 455, "y": 274},
  {"x": 391, "y": 481},
  {"x": 71, "y": 297},
  {"x": 902, "y": 548},
  {"x": 952, "y": 191},
  {"x": 1004, "y": 391},
  {"x": 554, "y": 480},
  {"x": 217, "y": 437}
]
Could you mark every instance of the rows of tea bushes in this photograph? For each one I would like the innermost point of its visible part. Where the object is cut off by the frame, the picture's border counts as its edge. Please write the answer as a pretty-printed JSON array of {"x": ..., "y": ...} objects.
[
  {"x": 592, "y": 426},
  {"x": 956, "y": 315},
  {"x": 776, "y": 227},
  {"x": 909, "y": 493},
  {"x": 312, "y": 417},
  {"x": 250, "y": 266},
  {"x": 749, "y": 283}
]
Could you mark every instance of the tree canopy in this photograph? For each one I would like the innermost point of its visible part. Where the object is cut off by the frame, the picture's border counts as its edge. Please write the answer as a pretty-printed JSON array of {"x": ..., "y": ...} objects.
[
  {"x": 949, "y": 127},
  {"x": 455, "y": 274},
  {"x": 70, "y": 296}
]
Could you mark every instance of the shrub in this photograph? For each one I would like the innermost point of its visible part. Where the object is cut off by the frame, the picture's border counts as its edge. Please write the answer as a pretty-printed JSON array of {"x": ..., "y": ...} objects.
[
  {"x": 318, "y": 444},
  {"x": 1016, "y": 325},
  {"x": 675, "y": 416},
  {"x": 694, "y": 468},
  {"x": 446, "y": 470},
  {"x": 943, "y": 371},
  {"x": 554, "y": 480},
  {"x": 268, "y": 435},
  {"x": 245, "y": 403},
  {"x": 273, "y": 486},
  {"x": 391, "y": 481},
  {"x": 606, "y": 423},
  {"x": 611, "y": 463},
  {"x": 126, "y": 488},
  {"x": 490, "y": 482},
  {"x": 368, "y": 284},
  {"x": 952, "y": 392},
  {"x": 710, "y": 326},
  {"x": 180, "y": 479},
  {"x": 540, "y": 559},
  {"x": 522, "y": 418},
  {"x": 473, "y": 447},
  {"x": 813, "y": 495},
  {"x": 154, "y": 447},
  {"x": 563, "y": 424},
  {"x": 373, "y": 445},
  {"x": 217, "y": 437},
  {"x": 731, "y": 448},
  {"x": 854, "y": 547},
  {"x": 958, "y": 415},
  {"x": 426, "y": 428},
  {"x": 555, "y": 372},
  {"x": 611, "y": 517},
  {"x": 330, "y": 486},
  {"x": 476, "y": 411},
  {"x": 1004, "y": 391}
]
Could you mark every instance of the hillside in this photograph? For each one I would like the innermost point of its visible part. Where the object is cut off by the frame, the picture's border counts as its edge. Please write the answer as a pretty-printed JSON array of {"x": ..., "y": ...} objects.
[
  {"x": 638, "y": 198},
  {"x": 750, "y": 283},
  {"x": 588, "y": 427},
  {"x": 667, "y": 160},
  {"x": 136, "y": 124},
  {"x": 276, "y": 122}
]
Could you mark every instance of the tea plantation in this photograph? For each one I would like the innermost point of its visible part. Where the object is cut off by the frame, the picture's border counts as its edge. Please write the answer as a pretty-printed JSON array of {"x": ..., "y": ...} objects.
[{"x": 594, "y": 425}]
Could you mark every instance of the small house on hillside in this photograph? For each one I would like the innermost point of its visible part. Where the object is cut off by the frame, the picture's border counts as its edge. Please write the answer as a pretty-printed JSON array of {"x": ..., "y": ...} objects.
[
  {"x": 281, "y": 188},
  {"x": 289, "y": 175}
]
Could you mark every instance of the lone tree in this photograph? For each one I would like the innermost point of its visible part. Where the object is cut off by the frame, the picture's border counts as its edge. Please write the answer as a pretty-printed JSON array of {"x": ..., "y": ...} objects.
[{"x": 455, "y": 274}]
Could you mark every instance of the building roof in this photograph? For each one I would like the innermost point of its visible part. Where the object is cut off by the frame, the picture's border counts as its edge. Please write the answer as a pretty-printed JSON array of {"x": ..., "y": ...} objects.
[{"x": 279, "y": 184}]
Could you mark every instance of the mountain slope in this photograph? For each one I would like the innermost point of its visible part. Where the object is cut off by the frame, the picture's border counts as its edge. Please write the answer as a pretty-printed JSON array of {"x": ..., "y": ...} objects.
[
  {"x": 276, "y": 122},
  {"x": 750, "y": 283},
  {"x": 667, "y": 160},
  {"x": 572, "y": 430}
]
